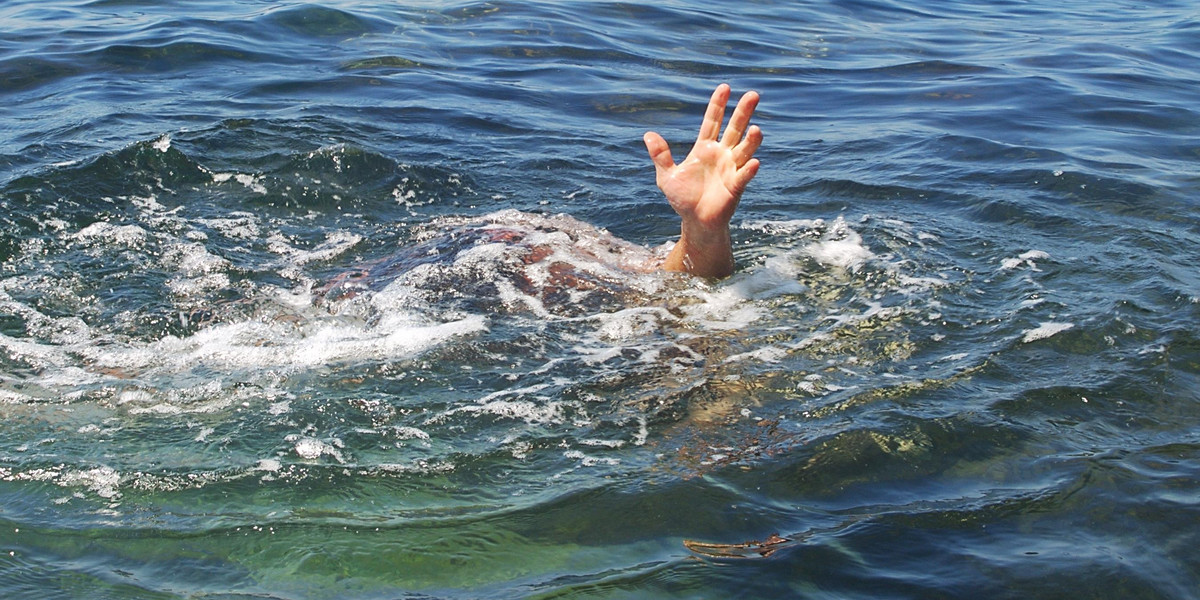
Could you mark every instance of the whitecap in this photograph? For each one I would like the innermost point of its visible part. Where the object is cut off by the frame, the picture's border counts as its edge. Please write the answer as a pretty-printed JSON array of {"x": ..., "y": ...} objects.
[
  {"x": 103, "y": 481},
  {"x": 250, "y": 182},
  {"x": 1024, "y": 259},
  {"x": 103, "y": 232},
  {"x": 1045, "y": 330}
]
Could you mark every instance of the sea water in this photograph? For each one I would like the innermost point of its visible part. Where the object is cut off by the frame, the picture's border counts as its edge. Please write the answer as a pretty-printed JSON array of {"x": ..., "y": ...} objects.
[{"x": 357, "y": 300}]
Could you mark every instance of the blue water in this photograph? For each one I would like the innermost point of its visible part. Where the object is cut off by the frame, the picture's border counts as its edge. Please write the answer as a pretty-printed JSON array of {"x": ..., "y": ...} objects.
[{"x": 341, "y": 300}]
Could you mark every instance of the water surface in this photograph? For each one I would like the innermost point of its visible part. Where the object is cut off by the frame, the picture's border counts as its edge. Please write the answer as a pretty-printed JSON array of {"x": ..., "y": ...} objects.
[{"x": 348, "y": 300}]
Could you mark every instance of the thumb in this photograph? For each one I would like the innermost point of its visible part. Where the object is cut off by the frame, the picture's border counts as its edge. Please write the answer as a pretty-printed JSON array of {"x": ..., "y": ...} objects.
[{"x": 659, "y": 151}]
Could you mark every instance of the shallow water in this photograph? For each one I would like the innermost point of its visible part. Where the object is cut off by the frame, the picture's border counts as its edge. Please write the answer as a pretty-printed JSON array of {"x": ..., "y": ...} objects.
[{"x": 349, "y": 300}]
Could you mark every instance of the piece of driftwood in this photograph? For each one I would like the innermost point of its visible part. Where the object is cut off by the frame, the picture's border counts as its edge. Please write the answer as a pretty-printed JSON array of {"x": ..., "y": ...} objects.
[{"x": 750, "y": 549}]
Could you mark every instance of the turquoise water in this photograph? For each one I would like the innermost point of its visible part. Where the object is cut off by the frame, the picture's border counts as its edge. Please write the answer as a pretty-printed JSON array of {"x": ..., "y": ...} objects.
[{"x": 343, "y": 300}]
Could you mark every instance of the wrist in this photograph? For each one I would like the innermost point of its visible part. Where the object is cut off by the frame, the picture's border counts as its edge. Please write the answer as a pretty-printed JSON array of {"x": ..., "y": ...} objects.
[
  {"x": 702, "y": 233},
  {"x": 702, "y": 251}
]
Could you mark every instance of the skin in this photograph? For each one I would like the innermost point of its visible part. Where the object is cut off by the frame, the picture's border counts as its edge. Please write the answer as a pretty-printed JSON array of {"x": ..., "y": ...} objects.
[{"x": 706, "y": 187}]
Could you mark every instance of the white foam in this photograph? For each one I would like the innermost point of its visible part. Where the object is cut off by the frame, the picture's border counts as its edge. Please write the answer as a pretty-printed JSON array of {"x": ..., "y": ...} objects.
[
  {"x": 198, "y": 287},
  {"x": 407, "y": 198},
  {"x": 250, "y": 182},
  {"x": 631, "y": 323},
  {"x": 726, "y": 309},
  {"x": 193, "y": 259},
  {"x": 261, "y": 344},
  {"x": 270, "y": 465},
  {"x": 603, "y": 443},
  {"x": 920, "y": 284},
  {"x": 542, "y": 411},
  {"x": 11, "y": 397},
  {"x": 1045, "y": 330},
  {"x": 768, "y": 354},
  {"x": 242, "y": 226},
  {"x": 174, "y": 406},
  {"x": 417, "y": 466},
  {"x": 37, "y": 355},
  {"x": 292, "y": 330},
  {"x": 1024, "y": 259},
  {"x": 590, "y": 461},
  {"x": 409, "y": 433},
  {"x": 150, "y": 205},
  {"x": 514, "y": 298},
  {"x": 520, "y": 449},
  {"x": 840, "y": 247},
  {"x": 585, "y": 246},
  {"x": 779, "y": 276},
  {"x": 597, "y": 356},
  {"x": 103, "y": 232},
  {"x": 310, "y": 448},
  {"x": 335, "y": 244},
  {"x": 103, "y": 481},
  {"x": 548, "y": 412},
  {"x": 783, "y": 227}
]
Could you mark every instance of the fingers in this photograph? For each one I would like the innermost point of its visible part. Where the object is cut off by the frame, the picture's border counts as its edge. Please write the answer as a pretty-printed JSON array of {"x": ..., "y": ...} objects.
[
  {"x": 711, "y": 126},
  {"x": 740, "y": 137},
  {"x": 740, "y": 119},
  {"x": 743, "y": 177},
  {"x": 659, "y": 151},
  {"x": 745, "y": 149}
]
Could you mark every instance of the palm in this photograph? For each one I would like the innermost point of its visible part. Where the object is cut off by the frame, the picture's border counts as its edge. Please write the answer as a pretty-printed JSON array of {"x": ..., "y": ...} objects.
[{"x": 704, "y": 185}]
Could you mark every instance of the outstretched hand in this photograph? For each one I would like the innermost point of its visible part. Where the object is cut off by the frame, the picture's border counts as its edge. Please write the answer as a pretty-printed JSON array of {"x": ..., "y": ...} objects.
[{"x": 706, "y": 187}]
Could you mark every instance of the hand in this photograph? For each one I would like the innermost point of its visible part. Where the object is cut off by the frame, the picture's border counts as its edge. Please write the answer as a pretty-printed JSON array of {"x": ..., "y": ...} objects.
[{"x": 706, "y": 187}]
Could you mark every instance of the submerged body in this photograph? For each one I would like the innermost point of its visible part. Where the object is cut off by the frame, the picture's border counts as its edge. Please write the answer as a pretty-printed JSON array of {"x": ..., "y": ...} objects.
[
  {"x": 547, "y": 264},
  {"x": 556, "y": 261}
]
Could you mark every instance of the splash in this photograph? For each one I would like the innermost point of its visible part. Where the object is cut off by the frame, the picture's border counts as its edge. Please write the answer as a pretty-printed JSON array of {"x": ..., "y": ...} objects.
[{"x": 306, "y": 344}]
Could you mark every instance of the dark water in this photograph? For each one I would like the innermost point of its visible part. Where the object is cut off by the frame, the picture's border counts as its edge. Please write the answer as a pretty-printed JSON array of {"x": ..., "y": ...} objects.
[{"x": 271, "y": 323}]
